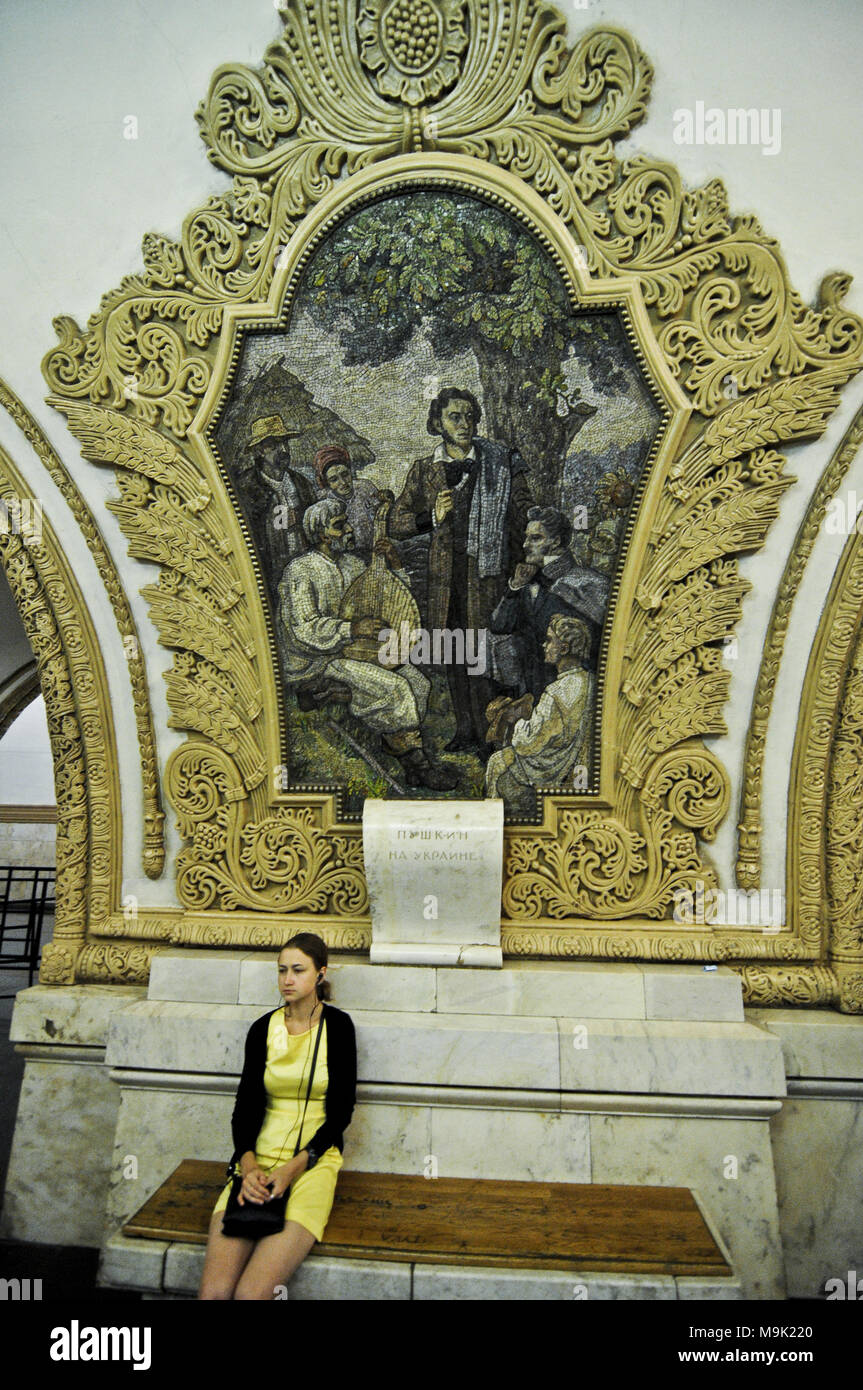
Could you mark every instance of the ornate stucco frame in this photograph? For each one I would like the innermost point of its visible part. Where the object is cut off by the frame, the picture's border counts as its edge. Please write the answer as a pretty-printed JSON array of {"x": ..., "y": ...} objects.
[{"x": 520, "y": 117}]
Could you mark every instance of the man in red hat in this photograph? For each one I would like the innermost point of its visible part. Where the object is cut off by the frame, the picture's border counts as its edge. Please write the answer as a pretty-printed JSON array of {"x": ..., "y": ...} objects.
[{"x": 360, "y": 498}]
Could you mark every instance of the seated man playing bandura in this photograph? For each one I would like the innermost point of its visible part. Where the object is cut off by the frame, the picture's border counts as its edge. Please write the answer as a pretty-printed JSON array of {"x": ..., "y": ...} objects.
[
  {"x": 556, "y": 738},
  {"x": 391, "y": 703}
]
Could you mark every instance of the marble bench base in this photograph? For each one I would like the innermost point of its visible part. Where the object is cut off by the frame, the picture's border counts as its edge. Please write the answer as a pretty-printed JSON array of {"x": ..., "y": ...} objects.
[{"x": 171, "y": 1270}]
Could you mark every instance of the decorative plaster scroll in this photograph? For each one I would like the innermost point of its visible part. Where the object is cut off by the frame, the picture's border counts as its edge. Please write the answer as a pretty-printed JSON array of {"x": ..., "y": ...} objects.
[
  {"x": 524, "y": 101},
  {"x": 337, "y": 113},
  {"x": 844, "y": 835},
  {"x": 749, "y": 830},
  {"x": 778, "y": 987},
  {"x": 80, "y": 727},
  {"x": 822, "y": 779},
  {"x": 116, "y": 963},
  {"x": 154, "y": 839}
]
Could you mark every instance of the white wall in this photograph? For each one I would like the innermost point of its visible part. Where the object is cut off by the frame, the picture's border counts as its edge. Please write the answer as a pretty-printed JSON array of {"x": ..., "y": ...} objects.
[
  {"x": 78, "y": 198},
  {"x": 26, "y": 766}
]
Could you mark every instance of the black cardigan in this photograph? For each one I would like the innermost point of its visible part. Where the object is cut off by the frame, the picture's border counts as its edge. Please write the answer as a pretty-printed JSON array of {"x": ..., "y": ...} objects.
[{"x": 251, "y": 1102}]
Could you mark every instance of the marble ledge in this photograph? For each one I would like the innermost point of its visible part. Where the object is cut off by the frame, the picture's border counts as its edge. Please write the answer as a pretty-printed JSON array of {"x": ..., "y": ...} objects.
[
  {"x": 521, "y": 988},
  {"x": 133, "y": 1264},
  {"x": 69, "y": 1015},
  {"x": 174, "y": 1269},
  {"x": 400, "y": 1097},
  {"x": 706, "y": 1059},
  {"x": 514, "y": 1053},
  {"x": 816, "y": 1043}
]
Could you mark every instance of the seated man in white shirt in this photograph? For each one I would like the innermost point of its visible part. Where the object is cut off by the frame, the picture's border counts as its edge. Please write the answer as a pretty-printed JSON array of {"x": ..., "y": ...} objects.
[{"x": 390, "y": 702}]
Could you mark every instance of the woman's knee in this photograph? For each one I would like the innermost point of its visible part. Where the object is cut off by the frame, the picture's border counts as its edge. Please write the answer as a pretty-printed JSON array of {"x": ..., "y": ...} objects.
[
  {"x": 254, "y": 1291},
  {"x": 215, "y": 1290}
]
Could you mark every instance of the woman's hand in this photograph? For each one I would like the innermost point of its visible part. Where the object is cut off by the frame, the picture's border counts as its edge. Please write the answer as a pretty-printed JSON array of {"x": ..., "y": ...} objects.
[
  {"x": 282, "y": 1178},
  {"x": 255, "y": 1186}
]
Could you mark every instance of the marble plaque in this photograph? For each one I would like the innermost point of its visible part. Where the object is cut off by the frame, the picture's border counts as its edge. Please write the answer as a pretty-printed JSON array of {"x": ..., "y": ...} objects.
[{"x": 434, "y": 871}]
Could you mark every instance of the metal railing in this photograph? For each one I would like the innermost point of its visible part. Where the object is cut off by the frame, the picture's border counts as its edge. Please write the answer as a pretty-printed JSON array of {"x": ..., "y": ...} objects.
[{"x": 27, "y": 897}]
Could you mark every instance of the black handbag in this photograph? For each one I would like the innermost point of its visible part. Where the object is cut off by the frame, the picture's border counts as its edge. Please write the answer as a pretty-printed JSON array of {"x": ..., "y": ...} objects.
[{"x": 254, "y": 1220}]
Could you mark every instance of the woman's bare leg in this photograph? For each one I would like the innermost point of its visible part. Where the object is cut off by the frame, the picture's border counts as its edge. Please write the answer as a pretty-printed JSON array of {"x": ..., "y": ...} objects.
[
  {"x": 274, "y": 1260},
  {"x": 227, "y": 1257}
]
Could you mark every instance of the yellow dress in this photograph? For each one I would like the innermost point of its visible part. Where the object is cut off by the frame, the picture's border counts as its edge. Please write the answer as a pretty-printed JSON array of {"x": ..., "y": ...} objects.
[{"x": 289, "y": 1060}]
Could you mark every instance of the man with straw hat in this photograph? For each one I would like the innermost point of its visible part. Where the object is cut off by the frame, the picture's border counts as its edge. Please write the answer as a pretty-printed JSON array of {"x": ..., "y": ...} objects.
[{"x": 281, "y": 493}]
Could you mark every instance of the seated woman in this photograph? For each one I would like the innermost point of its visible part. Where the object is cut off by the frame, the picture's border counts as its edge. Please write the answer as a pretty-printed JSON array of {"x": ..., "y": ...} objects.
[{"x": 286, "y": 1135}]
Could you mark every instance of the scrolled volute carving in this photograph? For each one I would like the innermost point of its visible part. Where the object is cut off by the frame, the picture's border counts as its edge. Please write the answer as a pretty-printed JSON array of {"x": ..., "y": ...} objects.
[{"x": 284, "y": 861}]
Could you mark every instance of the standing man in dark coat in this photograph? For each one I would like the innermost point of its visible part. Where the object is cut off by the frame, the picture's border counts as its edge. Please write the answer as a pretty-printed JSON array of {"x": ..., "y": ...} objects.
[{"x": 472, "y": 496}]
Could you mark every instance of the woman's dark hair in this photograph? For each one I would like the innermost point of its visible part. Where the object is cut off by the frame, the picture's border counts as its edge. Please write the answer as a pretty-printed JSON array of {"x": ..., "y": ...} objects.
[
  {"x": 313, "y": 946},
  {"x": 452, "y": 393}
]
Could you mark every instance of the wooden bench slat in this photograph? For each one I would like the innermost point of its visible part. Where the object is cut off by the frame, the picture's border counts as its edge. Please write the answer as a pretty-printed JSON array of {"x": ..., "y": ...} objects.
[{"x": 473, "y": 1221}]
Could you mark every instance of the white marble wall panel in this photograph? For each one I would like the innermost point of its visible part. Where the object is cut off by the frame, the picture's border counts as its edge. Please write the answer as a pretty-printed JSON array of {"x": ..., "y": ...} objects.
[
  {"x": 61, "y": 1154},
  {"x": 544, "y": 989},
  {"x": 389, "y": 1139},
  {"x": 201, "y": 977},
  {"x": 815, "y": 1042},
  {"x": 818, "y": 1150},
  {"x": 165, "y": 1036},
  {"x": 696, "y": 1153},
  {"x": 392, "y": 1047},
  {"x": 457, "y": 1050},
  {"x": 357, "y": 984},
  {"x": 693, "y": 992},
  {"x": 708, "y": 1059},
  {"x": 526, "y": 1146},
  {"x": 28, "y": 844},
  {"x": 414, "y": 850},
  {"x": 155, "y": 1131},
  {"x": 392, "y": 988}
]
